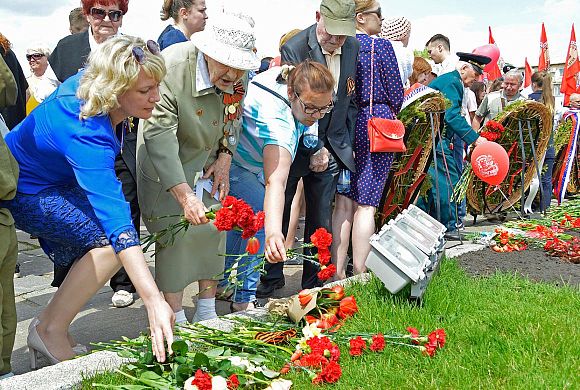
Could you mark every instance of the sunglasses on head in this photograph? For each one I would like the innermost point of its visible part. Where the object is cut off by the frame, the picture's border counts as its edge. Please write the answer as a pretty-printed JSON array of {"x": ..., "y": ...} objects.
[
  {"x": 100, "y": 14},
  {"x": 36, "y": 56},
  {"x": 378, "y": 12},
  {"x": 139, "y": 53}
]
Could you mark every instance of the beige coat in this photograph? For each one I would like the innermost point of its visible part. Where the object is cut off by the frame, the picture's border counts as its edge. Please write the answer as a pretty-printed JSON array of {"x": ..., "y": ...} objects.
[{"x": 174, "y": 145}]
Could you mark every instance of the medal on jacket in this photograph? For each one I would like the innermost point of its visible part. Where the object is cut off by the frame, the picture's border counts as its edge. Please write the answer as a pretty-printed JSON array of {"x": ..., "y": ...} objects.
[{"x": 232, "y": 113}]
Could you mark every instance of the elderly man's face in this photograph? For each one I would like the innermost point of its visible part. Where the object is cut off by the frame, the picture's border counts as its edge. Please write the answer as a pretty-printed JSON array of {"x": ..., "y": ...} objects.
[
  {"x": 222, "y": 76},
  {"x": 327, "y": 41},
  {"x": 511, "y": 86},
  {"x": 575, "y": 101},
  {"x": 468, "y": 75}
]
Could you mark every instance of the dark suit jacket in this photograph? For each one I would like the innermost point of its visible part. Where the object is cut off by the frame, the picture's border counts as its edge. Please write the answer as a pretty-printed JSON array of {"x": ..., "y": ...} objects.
[
  {"x": 70, "y": 55},
  {"x": 14, "y": 114},
  {"x": 336, "y": 129}
]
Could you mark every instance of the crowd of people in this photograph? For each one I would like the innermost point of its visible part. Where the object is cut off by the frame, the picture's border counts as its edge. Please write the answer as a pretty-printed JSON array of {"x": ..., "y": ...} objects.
[{"x": 110, "y": 129}]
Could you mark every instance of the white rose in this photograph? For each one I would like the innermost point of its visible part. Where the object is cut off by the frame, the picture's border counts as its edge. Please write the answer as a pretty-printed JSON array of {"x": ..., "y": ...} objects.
[
  {"x": 219, "y": 383},
  {"x": 188, "y": 384},
  {"x": 280, "y": 384}
]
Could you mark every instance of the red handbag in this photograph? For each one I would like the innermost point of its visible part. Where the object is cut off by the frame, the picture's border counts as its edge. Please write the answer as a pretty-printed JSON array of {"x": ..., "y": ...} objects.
[{"x": 385, "y": 135}]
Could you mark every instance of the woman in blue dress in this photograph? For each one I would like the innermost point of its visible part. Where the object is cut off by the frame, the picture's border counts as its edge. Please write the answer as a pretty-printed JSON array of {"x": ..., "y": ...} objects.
[
  {"x": 68, "y": 194},
  {"x": 355, "y": 210},
  {"x": 188, "y": 17}
]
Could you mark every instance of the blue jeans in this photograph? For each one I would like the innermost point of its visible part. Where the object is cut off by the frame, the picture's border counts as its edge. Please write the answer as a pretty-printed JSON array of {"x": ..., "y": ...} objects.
[{"x": 244, "y": 185}]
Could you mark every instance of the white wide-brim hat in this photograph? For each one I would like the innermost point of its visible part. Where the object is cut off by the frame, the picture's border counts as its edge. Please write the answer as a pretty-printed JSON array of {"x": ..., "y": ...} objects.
[{"x": 229, "y": 39}]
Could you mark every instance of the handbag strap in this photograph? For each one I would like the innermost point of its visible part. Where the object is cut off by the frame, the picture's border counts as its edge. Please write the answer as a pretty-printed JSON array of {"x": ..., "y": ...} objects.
[
  {"x": 372, "y": 75},
  {"x": 257, "y": 84}
]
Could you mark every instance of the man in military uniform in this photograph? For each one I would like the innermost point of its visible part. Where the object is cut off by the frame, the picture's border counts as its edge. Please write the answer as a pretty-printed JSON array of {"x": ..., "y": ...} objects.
[{"x": 451, "y": 85}]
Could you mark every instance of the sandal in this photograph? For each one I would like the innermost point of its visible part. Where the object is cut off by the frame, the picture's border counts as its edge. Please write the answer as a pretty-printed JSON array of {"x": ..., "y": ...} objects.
[{"x": 254, "y": 302}]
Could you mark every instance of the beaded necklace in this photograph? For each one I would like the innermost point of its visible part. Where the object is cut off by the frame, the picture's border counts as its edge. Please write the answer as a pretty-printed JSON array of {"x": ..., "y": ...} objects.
[{"x": 232, "y": 114}]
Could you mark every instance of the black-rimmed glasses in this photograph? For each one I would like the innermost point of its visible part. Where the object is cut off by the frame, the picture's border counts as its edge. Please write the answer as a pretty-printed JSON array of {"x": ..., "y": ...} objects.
[
  {"x": 36, "y": 56},
  {"x": 139, "y": 53},
  {"x": 100, "y": 14},
  {"x": 313, "y": 110}
]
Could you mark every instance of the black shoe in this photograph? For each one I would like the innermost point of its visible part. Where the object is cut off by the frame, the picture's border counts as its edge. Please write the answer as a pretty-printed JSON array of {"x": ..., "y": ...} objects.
[
  {"x": 17, "y": 271},
  {"x": 266, "y": 290},
  {"x": 453, "y": 235}
]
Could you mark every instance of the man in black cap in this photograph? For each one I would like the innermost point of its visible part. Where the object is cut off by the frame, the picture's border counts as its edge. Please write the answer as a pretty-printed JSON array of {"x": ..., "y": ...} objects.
[{"x": 451, "y": 85}]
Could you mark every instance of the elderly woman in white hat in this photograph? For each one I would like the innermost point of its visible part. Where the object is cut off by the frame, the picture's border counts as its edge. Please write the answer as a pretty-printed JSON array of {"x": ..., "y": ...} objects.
[{"x": 191, "y": 137}]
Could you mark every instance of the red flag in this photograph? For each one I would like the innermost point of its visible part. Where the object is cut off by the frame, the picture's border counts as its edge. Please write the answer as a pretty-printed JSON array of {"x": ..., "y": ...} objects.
[
  {"x": 571, "y": 76},
  {"x": 527, "y": 74},
  {"x": 493, "y": 70},
  {"x": 544, "y": 62}
]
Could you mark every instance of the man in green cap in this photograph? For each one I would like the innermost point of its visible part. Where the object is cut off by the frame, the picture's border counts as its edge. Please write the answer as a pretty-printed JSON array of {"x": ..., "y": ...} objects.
[{"x": 330, "y": 41}]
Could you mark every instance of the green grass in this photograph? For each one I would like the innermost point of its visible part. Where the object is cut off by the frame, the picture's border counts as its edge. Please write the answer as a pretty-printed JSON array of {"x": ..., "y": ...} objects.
[{"x": 503, "y": 332}]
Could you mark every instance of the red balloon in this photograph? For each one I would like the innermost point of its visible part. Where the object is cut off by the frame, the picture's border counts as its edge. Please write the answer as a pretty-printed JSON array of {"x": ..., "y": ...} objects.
[
  {"x": 490, "y": 162},
  {"x": 491, "y": 51}
]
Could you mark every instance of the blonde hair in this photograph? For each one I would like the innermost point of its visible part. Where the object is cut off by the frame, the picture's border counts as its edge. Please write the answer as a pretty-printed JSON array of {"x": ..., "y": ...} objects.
[
  {"x": 112, "y": 69},
  {"x": 38, "y": 48}
]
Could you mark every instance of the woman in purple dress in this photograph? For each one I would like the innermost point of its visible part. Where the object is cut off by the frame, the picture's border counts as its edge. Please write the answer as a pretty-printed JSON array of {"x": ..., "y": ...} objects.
[{"x": 355, "y": 208}]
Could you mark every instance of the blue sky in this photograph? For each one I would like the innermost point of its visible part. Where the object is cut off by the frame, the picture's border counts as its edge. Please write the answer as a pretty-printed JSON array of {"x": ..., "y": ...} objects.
[{"x": 515, "y": 24}]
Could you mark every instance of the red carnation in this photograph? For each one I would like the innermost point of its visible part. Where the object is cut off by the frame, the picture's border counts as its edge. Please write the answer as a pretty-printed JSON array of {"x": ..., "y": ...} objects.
[
  {"x": 357, "y": 345},
  {"x": 334, "y": 353},
  {"x": 337, "y": 292},
  {"x": 225, "y": 219},
  {"x": 347, "y": 307},
  {"x": 319, "y": 344},
  {"x": 202, "y": 380},
  {"x": 331, "y": 373},
  {"x": 326, "y": 272},
  {"x": 321, "y": 238},
  {"x": 429, "y": 349},
  {"x": 378, "y": 343},
  {"x": 437, "y": 337},
  {"x": 414, "y": 334},
  {"x": 229, "y": 201},
  {"x": 313, "y": 360},
  {"x": 233, "y": 382},
  {"x": 323, "y": 256}
]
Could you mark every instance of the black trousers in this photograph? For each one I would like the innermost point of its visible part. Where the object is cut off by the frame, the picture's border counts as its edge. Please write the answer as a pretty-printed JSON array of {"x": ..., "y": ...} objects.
[
  {"x": 119, "y": 281},
  {"x": 319, "y": 191}
]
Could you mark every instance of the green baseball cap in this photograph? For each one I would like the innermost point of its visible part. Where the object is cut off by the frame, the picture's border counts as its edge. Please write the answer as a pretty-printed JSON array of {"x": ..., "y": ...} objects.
[{"x": 339, "y": 16}]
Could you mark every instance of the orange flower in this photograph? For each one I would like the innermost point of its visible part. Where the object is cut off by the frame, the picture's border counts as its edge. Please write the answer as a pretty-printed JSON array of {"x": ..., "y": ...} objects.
[
  {"x": 253, "y": 246},
  {"x": 337, "y": 293},
  {"x": 348, "y": 307},
  {"x": 305, "y": 296}
]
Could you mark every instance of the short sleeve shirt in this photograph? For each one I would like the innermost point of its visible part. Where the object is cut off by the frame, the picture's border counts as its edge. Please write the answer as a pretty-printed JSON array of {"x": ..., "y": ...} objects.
[
  {"x": 494, "y": 103},
  {"x": 267, "y": 120}
]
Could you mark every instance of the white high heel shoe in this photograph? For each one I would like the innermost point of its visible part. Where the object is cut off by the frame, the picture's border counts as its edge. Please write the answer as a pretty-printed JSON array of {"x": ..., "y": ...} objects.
[{"x": 36, "y": 346}]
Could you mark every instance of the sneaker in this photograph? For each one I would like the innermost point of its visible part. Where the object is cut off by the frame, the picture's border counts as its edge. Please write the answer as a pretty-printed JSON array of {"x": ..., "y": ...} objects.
[
  {"x": 17, "y": 271},
  {"x": 266, "y": 290},
  {"x": 122, "y": 298}
]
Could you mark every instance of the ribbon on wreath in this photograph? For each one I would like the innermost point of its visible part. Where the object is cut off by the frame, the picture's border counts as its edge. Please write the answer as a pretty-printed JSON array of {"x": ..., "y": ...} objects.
[{"x": 568, "y": 156}]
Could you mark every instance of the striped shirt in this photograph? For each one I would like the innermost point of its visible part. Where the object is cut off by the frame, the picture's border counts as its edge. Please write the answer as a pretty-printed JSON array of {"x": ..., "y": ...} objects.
[{"x": 267, "y": 120}]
